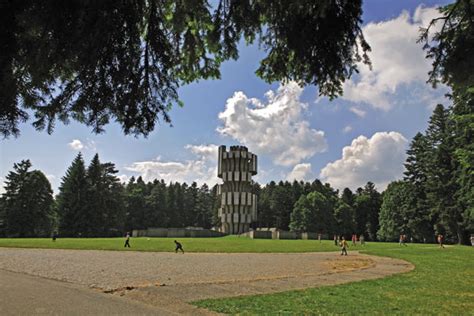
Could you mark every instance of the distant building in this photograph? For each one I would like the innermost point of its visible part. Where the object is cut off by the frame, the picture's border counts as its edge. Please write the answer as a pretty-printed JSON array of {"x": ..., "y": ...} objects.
[{"x": 238, "y": 204}]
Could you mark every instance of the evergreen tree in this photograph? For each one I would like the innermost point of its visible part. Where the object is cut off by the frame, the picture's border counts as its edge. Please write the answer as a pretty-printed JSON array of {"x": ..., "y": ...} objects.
[
  {"x": 399, "y": 214},
  {"x": 463, "y": 117},
  {"x": 189, "y": 204},
  {"x": 348, "y": 197},
  {"x": 28, "y": 202},
  {"x": 156, "y": 202},
  {"x": 441, "y": 182},
  {"x": 73, "y": 199},
  {"x": 3, "y": 218},
  {"x": 281, "y": 205},
  {"x": 105, "y": 200},
  {"x": 216, "y": 204},
  {"x": 204, "y": 208},
  {"x": 450, "y": 47},
  {"x": 367, "y": 204},
  {"x": 266, "y": 217},
  {"x": 136, "y": 206},
  {"x": 361, "y": 206},
  {"x": 344, "y": 216},
  {"x": 416, "y": 175},
  {"x": 373, "y": 209},
  {"x": 123, "y": 61}
]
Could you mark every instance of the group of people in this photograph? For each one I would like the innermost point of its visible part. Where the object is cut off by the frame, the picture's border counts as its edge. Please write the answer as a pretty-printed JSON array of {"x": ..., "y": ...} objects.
[
  {"x": 342, "y": 242},
  {"x": 178, "y": 245},
  {"x": 403, "y": 240},
  {"x": 354, "y": 238}
]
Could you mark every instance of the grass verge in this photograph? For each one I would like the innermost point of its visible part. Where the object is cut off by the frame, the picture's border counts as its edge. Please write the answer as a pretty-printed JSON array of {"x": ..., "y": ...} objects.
[{"x": 230, "y": 244}]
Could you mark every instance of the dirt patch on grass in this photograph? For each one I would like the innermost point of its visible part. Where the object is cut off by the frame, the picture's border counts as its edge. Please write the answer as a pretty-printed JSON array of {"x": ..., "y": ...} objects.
[
  {"x": 348, "y": 264},
  {"x": 171, "y": 280}
]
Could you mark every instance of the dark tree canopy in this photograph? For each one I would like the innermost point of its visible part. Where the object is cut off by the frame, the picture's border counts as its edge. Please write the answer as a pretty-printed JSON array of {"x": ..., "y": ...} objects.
[
  {"x": 28, "y": 202},
  {"x": 101, "y": 61},
  {"x": 452, "y": 47}
]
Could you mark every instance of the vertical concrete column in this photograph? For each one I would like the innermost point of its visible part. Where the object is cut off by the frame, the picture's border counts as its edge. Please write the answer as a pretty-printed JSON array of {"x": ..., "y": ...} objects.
[{"x": 238, "y": 204}]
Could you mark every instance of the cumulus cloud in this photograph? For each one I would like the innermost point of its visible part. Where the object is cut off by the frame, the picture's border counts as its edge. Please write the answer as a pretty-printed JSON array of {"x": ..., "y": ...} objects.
[
  {"x": 301, "y": 171},
  {"x": 76, "y": 144},
  {"x": 347, "y": 129},
  {"x": 204, "y": 151},
  {"x": 275, "y": 127},
  {"x": 378, "y": 159},
  {"x": 397, "y": 60},
  {"x": 203, "y": 169},
  {"x": 357, "y": 111}
]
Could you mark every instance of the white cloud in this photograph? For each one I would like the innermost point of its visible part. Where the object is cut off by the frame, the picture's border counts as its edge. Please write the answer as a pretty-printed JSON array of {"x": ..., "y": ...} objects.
[
  {"x": 301, "y": 171},
  {"x": 2, "y": 183},
  {"x": 275, "y": 128},
  {"x": 123, "y": 178},
  {"x": 91, "y": 145},
  {"x": 201, "y": 170},
  {"x": 204, "y": 151},
  {"x": 378, "y": 159},
  {"x": 397, "y": 60},
  {"x": 76, "y": 144},
  {"x": 357, "y": 111},
  {"x": 347, "y": 129}
]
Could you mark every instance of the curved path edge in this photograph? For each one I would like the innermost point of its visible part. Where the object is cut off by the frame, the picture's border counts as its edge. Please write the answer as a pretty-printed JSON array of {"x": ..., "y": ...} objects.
[
  {"x": 170, "y": 282},
  {"x": 177, "y": 298}
]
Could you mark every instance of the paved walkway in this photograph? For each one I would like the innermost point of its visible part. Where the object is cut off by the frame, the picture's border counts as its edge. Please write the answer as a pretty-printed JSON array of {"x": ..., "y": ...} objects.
[
  {"x": 21, "y": 294},
  {"x": 168, "y": 281}
]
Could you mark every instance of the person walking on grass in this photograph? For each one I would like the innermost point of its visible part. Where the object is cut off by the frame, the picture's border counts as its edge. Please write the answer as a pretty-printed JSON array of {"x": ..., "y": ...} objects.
[
  {"x": 362, "y": 240},
  {"x": 344, "y": 246},
  {"x": 178, "y": 247},
  {"x": 335, "y": 240},
  {"x": 440, "y": 241},
  {"x": 402, "y": 240},
  {"x": 127, "y": 240}
]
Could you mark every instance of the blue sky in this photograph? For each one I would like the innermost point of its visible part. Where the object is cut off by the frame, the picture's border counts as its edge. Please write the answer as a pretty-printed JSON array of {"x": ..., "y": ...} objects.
[{"x": 359, "y": 137}]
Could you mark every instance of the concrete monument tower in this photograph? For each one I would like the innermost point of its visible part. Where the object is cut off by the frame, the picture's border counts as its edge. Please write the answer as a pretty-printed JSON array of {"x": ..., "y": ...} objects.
[{"x": 238, "y": 204}]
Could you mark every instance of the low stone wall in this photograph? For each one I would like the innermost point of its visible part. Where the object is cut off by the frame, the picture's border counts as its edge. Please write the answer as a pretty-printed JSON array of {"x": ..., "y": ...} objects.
[
  {"x": 283, "y": 234},
  {"x": 309, "y": 235},
  {"x": 258, "y": 234},
  {"x": 273, "y": 233},
  {"x": 175, "y": 232}
]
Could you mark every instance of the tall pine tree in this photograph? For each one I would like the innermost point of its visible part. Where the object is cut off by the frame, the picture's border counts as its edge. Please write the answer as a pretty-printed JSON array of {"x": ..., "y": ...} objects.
[
  {"x": 28, "y": 202},
  {"x": 72, "y": 200},
  {"x": 441, "y": 182}
]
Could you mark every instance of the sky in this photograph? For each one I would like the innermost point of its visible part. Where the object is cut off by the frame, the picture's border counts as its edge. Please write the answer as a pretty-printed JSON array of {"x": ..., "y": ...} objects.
[{"x": 359, "y": 137}]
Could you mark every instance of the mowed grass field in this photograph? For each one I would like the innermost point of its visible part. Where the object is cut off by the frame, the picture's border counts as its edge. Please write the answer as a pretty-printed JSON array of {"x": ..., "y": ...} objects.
[
  {"x": 220, "y": 244},
  {"x": 441, "y": 284}
]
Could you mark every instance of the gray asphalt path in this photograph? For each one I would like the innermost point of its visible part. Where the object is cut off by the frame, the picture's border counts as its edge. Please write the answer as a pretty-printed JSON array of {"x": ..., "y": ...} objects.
[{"x": 22, "y": 294}]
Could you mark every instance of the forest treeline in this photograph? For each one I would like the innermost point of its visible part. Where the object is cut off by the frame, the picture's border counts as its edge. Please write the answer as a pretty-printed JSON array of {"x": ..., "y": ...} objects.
[{"x": 434, "y": 197}]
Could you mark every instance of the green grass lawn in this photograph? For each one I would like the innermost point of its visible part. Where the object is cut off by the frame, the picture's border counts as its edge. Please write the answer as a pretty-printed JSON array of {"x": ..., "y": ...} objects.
[
  {"x": 442, "y": 282},
  {"x": 221, "y": 244}
]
